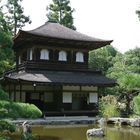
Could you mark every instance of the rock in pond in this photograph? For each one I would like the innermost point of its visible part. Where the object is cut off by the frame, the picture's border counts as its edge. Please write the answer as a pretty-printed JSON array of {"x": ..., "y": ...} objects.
[
  {"x": 135, "y": 122},
  {"x": 99, "y": 132}
]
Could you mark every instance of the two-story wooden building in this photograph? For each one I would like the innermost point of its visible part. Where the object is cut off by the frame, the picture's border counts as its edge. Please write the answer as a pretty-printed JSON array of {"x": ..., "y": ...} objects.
[{"x": 52, "y": 71}]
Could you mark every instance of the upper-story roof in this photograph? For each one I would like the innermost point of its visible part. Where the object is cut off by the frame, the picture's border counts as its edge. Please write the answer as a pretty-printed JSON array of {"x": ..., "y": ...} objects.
[{"x": 59, "y": 33}]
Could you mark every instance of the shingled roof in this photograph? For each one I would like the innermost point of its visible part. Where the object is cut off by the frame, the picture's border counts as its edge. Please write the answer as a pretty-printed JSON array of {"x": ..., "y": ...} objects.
[
  {"x": 62, "y": 77},
  {"x": 56, "y": 30},
  {"x": 53, "y": 30}
]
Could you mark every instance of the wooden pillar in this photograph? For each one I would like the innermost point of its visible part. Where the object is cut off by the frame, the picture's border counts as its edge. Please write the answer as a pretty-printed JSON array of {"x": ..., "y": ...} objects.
[
  {"x": 14, "y": 92},
  {"x": 20, "y": 88},
  {"x": 9, "y": 91}
]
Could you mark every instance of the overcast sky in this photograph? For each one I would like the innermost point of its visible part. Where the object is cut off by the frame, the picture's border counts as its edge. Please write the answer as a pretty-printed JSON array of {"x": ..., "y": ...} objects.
[{"x": 105, "y": 19}]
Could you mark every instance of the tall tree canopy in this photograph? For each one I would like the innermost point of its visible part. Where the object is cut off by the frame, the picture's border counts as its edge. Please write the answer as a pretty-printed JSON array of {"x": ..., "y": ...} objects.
[
  {"x": 128, "y": 62},
  {"x": 3, "y": 24},
  {"x": 61, "y": 12},
  {"x": 6, "y": 52},
  {"x": 101, "y": 59},
  {"x": 16, "y": 17}
]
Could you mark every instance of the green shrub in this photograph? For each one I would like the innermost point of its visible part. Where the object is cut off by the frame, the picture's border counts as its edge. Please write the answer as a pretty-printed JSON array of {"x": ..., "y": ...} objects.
[
  {"x": 19, "y": 110},
  {"x": 5, "y": 125},
  {"x": 136, "y": 105},
  {"x": 3, "y": 94},
  {"x": 108, "y": 106},
  {"x": 5, "y": 128}
]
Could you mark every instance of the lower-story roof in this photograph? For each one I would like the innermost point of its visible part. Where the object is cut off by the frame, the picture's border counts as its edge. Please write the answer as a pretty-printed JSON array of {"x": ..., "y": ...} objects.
[{"x": 62, "y": 77}]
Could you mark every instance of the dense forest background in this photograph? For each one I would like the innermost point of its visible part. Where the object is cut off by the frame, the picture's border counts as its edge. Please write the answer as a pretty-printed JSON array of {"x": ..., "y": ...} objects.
[{"x": 123, "y": 67}]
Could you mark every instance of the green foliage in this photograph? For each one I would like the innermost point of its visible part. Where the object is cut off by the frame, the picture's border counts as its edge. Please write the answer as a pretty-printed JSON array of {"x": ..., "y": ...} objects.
[
  {"x": 6, "y": 52},
  {"x": 126, "y": 70},
  {"x": 28, "y": 136},
  {"x": 3, "y": 94},
  {"x": 61, "y": 12},
  {"x": 19, "y": 110},
  {"x": 108, "y": 106},
  {"x": 5, "y": 125},
  {"x": 5, "y": 128},
  {"x": 125, "y": 63},
  {"x": 101, "y": 59},
  {"x": 14, "y": 18},
  {"x": 129, "y": 81},
  {"x": 3, "y": 24},
  {"x": 5, "y": 39},
  {"x": 136, "y": 106}
]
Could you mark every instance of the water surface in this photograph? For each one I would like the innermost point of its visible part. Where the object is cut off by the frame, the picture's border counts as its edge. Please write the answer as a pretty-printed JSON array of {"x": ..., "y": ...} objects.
[{"x": 78, "y": 132}]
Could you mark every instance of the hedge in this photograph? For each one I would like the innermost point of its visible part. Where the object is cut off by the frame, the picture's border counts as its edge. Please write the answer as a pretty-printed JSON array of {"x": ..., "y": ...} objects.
[{"x": 18, "y": 110}]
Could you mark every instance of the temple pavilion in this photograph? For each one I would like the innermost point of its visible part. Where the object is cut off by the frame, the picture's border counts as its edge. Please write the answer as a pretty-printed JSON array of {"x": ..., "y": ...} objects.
[{"x": 52, "y": 71}]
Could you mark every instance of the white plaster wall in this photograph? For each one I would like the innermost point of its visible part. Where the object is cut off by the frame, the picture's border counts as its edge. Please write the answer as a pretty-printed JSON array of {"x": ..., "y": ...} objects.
[
  {"x": 93, "y": 97},
  {"x": 37, "y": 88},
  {"x": 88, "y": 88},
  {"x": 67, "y": 97},
  {"x": 71, "y": 88}
]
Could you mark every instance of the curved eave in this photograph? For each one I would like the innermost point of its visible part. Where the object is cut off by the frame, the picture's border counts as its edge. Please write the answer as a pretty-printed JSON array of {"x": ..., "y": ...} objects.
[
  {"x": 23, "y": 37},
  {"x": 56, "y": 83},
  {"x": 61, "y": 78}
]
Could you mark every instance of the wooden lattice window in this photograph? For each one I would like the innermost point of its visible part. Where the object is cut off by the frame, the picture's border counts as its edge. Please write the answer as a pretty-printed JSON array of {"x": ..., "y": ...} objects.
[
  {"x": 79, "y": 57},
  {"x": 44, "y": 54},
  {"x": 62, "y": 56}
]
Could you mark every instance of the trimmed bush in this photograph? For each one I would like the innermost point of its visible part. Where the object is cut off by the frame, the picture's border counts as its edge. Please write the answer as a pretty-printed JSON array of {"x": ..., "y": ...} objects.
[{"x": 18, "y": 110}]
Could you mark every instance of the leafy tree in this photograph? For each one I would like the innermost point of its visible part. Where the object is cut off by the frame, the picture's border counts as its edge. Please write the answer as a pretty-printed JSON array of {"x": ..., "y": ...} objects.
[
  {"x": 126, "y": 70},
  {"x": 16, "y": 18},
  {"x": 101, "y": 59},
  {"x": 6, "y": 52},
  {"x": 61, "y": 12},
  {"x": 3, "y": 24},
  {"x": 132, "y": 60},
  {"x": 125, "y": 63}
]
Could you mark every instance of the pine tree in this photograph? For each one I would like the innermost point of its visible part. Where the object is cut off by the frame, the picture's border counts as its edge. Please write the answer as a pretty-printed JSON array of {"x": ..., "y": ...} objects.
[
  {"x": 61, "y": 12},
  {"x": 16, "y": 18}
]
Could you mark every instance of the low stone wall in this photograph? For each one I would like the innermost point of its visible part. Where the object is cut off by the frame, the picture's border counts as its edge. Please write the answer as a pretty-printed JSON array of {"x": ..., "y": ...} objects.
[
  {"x": 134, "y": 122},
  {"x": 58, "y": 121}
]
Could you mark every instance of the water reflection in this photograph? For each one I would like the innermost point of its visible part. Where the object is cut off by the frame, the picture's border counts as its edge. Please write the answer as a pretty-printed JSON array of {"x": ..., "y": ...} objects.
[{"x": 78, "y": 132}]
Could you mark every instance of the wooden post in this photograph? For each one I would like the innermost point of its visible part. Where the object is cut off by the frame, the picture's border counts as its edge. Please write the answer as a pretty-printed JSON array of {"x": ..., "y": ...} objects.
[
  {"x": 20, "y": 88},
  {"x": 14, "y": 92},
  {"x": 9, "y": 91}
]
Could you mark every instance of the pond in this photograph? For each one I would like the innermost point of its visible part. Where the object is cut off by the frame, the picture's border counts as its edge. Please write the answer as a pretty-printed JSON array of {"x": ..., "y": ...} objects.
[{"x": 78, "y": 132}]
